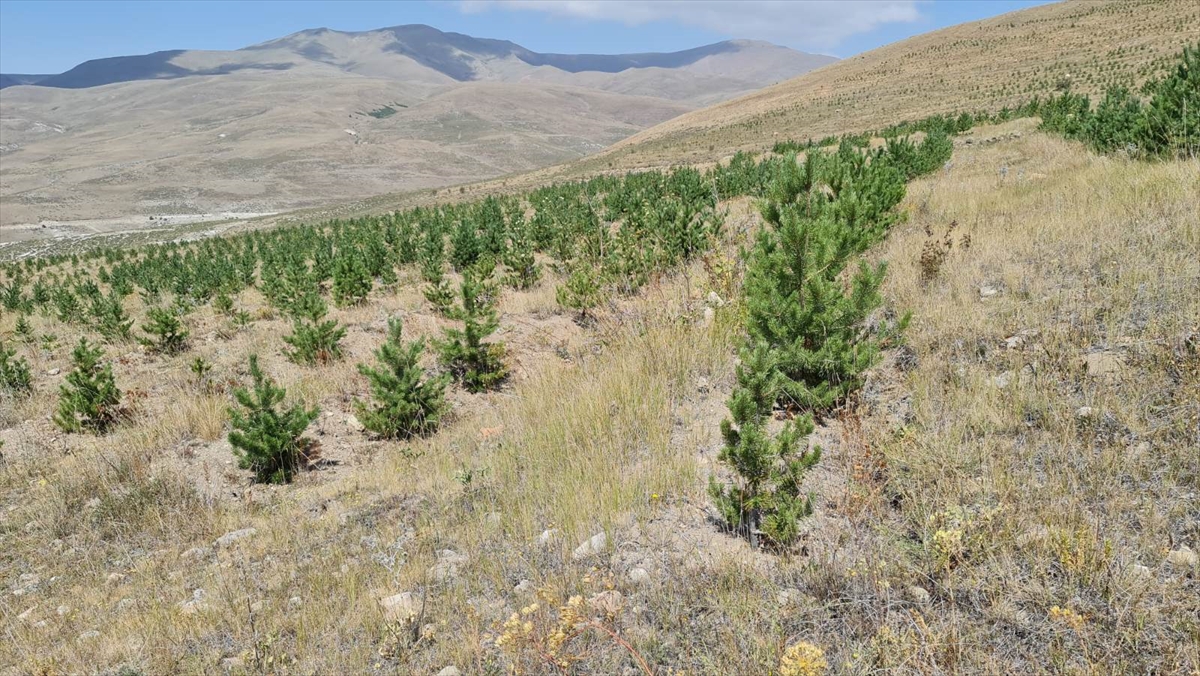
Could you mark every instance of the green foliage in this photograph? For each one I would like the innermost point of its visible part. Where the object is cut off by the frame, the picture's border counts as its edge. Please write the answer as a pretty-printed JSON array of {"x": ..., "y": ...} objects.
[
  {"x": 765, "y": 496},
  {"x": 110, "y": 318},
  {"x": 314, "y": 341},
  {"x": 523, "y": 269},
  {"x": 89, "y": 400},
  {"x": 265, "y": 438},
  {"x": 479, "y": 366},
  {"x": 351, "y": 279},
  {"x": 582, "y": 290},
  {"x": 166, "y": 332},
  {"x": 223, "y": 303},
  {"x": 22, "y": 328},
  {"x": 405, "y": 402},
  {"x": 15, "y": 376},
  {"x": 1167, "y": 125}
]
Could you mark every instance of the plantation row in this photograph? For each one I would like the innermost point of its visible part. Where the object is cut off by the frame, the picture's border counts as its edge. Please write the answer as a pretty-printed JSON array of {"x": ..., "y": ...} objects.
[{"x": 1166, "y": 124}]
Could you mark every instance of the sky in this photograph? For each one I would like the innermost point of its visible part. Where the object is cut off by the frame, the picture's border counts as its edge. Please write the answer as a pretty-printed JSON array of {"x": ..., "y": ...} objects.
[{"x": 49, "y": 36}]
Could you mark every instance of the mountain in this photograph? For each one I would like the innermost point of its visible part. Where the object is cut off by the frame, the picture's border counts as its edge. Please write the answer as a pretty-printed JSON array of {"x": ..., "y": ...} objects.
[
  {"x": 422, "y": 53},
  {"x": 323, "y": 116}
]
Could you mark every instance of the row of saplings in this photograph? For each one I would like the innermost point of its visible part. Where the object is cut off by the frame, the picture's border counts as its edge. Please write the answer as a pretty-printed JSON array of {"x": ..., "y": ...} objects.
[
  {"x": 267, "y": 437},
  {"x": 807, "y": 338}
]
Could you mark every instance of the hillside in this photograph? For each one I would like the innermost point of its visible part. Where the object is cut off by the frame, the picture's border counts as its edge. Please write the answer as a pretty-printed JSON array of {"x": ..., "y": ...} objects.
[
  {"x": 983, "y": 65},
  {"x": 897, "y": 405},
  {"x": 322, "y": 116}
]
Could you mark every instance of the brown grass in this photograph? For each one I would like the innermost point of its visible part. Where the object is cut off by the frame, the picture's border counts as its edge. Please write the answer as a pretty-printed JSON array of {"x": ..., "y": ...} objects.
[{"x": 969, "y": 517}]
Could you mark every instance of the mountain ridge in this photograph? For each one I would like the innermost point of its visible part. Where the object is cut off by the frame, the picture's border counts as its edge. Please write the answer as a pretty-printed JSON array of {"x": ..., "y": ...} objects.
[{"x": 457, "y": 56}]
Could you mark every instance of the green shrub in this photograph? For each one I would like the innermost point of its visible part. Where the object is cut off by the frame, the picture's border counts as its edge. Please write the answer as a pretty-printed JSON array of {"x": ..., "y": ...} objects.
[
  {"x": 477, "y": 365},
  {"x": 15, "y": 376},
  {"x": 167, "y": 335},
  {"x": 89, "y": 400},
  {"x": 405, "y": 402},
  {"x": 314, "y": 342},
  {"x": 582, "y": 290},
  {"x": 266, "y": 439},
  {"x": 765, "y": 495}
]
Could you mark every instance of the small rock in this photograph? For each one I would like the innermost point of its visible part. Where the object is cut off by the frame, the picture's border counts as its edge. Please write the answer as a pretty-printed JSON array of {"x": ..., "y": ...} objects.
[
  {"x": 233, "y": 664},
  {"x": 115, "y": 579},
  {"x": 126, "y": 604},
  {"x": 233, "y": 536},
  {"x": 709, "y": 316},
  {"x": 88, "y": 635},
  {"x": 524, "y": 587},
  {"x": 789, "y": 596},
  {"x": 256, "y": 607},
  {"x": 353, "y": 423},
  {"x": 987, "y": 291},
  {"x": 1103, "y": 364},
  {"x": 196, "y": 553},
  {"x": 593, "y": 545},
  {"x": 53, "y": 372},
  {"x": 608, "y": 602},
  {"x": 94, "y": 503},
  {"x": 26, "y": 615},
  {"x": 449, "y": 671},
  {"x": 547, "y": 536},
  {"x": 295, "y": 602},
  {"x": 447, "y": 565},
  {"x": 492, "y": 519},
  {"x": 714, "y": 300},
  {"x": 1001, "y": 381},
  {"x": 1084, "y": 412},
  {"x": 702, "y": 385},
  {"x": 1183, "y": 557},
  {"x": 194, "y": 604},
  {"x": 917, "y": 594},
  {"x": 401, "y": 607},
  {"x": 639, "y": 576},
  {"x": 1139, "y": 571},
  {"x": 63, "y": 610}
]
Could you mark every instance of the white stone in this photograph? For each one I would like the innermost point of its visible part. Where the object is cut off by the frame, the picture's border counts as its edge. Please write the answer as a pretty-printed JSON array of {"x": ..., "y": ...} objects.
[
  {"x": 233, "y": 536},
  {"x": 1183, "y": 557},
  {"x": 449, "y": 671},
  {"x": 639, "y": 576},
  {"x": 593, "y": 545},
  {"x": 401, "y": 607}
]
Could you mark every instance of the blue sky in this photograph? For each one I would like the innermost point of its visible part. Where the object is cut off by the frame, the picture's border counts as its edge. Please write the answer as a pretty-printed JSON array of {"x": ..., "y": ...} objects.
[{"x": 50, "y": 36}]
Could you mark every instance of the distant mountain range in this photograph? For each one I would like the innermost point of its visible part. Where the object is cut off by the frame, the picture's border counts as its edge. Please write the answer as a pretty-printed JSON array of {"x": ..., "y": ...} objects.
[
  {"x": 423, "y": 53},
  {"x": 324, "y": 115}
]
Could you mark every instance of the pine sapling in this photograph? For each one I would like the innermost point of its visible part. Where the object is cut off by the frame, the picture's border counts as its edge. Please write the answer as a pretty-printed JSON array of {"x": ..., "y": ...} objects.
[
  {"x": 167, "y": 335},
  {"x": 15, "y": 376},
  {"x": 477, "y": 365},
  {"x": 89, "y": 400},
  {"x": 764, "y": 498},
  {"x": 406, "y": 403},
  {"x": 265, "y": 438}
]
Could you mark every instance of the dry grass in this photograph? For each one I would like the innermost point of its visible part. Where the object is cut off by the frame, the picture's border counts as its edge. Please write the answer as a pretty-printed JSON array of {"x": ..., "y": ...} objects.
[{"x": 969, "y": 518}]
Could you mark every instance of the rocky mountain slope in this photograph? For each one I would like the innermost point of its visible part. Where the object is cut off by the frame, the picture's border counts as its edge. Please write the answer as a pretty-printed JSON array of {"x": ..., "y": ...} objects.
[{"x": 322, "y": 115}]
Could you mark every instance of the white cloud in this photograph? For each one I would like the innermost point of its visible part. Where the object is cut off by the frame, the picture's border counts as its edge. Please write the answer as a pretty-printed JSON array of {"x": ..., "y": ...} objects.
[{"x": 814, "y": 24}]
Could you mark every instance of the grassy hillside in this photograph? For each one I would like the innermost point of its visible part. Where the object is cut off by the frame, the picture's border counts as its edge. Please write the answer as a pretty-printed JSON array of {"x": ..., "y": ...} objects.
[
  {"x": 1011, "y": 492},
  {"x": 984, "y": 65}
]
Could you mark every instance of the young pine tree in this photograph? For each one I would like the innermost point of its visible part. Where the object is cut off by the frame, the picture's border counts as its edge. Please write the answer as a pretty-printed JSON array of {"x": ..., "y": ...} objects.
[
  {"x": 15, "y": 376},
  {"x": 477, "y": 365},
  {"x": 351, "y": 279},
  {"x": 313, "y": 340},
  {"x": 89, "y": 399},
  {"x": 111, "y": 319},
  {"x": 406, "y": 403},
  {"x": 765, "y": 496},
  {"x": 523, "y": 269},
  {"x": 167, "y": 335},
  {"x": 266, "y": 439},
  {"x": 582, "y": 290}
]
